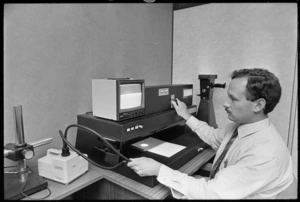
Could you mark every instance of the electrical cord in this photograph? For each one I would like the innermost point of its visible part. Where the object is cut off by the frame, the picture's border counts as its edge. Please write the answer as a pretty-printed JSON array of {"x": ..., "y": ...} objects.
[
  {"x": 66, "y": 142},
  {"x": 10, "y": 166},
  {"x": 25, "y": 183},
  {"x": 100, "y": 136},
  {"x": 25, "y": 195},
  {"x": 86, "y": 158}
]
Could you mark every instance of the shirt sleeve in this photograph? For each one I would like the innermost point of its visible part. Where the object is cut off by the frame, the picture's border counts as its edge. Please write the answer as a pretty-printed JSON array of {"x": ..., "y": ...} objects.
[
  {"x": 208, "y": 134},
  {"x": 237, "y": 181}
]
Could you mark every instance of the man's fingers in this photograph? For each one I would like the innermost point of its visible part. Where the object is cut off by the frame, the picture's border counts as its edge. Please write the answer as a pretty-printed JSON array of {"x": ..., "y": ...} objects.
[{"x": 134, "y": 162}]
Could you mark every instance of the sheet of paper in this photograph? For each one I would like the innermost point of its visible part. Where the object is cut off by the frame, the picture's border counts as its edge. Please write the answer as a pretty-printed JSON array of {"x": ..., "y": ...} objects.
[
  {"x": 167, "y": 149},
  {"x": 147, "y": 144}
]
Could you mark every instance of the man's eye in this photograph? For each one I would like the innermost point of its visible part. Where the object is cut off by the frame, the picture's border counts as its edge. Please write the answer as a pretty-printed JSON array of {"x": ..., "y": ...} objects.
[{"x": 233, "y": 99}]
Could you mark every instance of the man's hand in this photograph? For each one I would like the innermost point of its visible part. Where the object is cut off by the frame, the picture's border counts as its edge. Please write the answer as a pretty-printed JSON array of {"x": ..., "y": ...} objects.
[
  {"x": 181, "y": 109},
  {"x": 144, "y": 166}
]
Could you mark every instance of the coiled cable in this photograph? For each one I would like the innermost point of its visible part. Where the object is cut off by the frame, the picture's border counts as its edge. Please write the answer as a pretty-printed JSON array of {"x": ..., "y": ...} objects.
[{"x": 65, "y": 141}]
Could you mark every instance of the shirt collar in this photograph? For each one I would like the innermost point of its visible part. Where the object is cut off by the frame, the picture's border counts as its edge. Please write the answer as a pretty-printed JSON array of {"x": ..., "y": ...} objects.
[{"x": 248, "y": 129}]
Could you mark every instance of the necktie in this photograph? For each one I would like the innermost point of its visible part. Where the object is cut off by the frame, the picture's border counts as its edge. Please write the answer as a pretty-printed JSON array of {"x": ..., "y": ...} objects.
[{"x": 217, "y": 164}]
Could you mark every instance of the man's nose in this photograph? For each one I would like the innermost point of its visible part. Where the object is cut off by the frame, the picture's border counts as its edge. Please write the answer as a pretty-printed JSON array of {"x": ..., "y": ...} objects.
[{"x": 226, "y": 104}]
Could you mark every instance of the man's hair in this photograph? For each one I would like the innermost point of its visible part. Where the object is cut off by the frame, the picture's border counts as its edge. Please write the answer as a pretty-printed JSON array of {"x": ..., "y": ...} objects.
[{"x": 261, "y": 84}]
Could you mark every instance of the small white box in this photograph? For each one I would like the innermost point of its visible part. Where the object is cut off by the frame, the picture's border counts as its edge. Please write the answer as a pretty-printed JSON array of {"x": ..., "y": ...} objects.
[{"x": 62, "y": 169}]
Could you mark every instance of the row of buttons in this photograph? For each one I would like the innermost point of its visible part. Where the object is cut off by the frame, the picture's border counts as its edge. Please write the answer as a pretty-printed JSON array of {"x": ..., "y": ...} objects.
[{"x": 134, "y": 128}]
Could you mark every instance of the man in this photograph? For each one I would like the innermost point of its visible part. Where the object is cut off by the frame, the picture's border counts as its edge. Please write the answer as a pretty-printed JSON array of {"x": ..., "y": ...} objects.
[{"x": 257, "y": 163}]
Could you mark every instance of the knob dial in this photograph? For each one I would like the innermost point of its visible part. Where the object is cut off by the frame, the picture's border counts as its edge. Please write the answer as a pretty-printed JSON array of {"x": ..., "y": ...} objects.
[{"x": 28, "y": 154}]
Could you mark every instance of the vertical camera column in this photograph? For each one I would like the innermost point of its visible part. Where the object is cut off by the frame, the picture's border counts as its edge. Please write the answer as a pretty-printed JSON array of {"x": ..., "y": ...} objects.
[{"x": 206, "y": 108}]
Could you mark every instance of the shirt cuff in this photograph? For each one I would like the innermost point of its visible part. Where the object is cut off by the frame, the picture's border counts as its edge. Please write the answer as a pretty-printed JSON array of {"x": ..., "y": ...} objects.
[
  {"x": 164, "y": 172},
  {"x": 165, "y": 176},
  {"x": 193, "y": 123}
]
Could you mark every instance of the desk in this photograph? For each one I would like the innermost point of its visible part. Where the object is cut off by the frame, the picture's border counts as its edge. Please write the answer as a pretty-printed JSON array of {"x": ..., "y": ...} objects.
[{"x": 99, "y": 183}]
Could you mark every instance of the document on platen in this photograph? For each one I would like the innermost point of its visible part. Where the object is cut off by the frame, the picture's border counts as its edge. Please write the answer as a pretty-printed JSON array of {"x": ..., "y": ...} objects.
[{"x": 167, "y": 149}]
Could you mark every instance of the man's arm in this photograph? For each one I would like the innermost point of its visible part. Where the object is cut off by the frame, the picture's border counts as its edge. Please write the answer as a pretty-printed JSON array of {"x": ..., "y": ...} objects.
[
  {"x": 208, "y": 134},
  {"x": 247, "y": 177}
]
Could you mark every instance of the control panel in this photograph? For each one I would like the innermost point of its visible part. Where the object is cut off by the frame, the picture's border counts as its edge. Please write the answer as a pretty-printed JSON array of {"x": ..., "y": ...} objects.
[
  {"x": 131, "y": 114},
  {"x": 132, "y": 128}
]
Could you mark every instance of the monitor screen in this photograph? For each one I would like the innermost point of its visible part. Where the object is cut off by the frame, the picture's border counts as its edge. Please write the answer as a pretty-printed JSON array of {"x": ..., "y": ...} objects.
[{"x": 130, "y": 96}]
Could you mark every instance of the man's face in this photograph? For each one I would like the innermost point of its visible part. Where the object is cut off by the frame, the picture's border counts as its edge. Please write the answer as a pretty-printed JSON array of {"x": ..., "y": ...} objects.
[{"x": 238, "y": 108}]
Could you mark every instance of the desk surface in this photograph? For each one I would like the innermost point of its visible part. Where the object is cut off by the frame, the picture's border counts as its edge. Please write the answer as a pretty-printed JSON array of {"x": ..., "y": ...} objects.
[{"x": 94, "y": 174}]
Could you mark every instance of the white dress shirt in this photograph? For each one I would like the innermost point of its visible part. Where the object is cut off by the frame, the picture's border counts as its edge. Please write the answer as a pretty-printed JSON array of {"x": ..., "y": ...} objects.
[{"x": 258, "y": 164}]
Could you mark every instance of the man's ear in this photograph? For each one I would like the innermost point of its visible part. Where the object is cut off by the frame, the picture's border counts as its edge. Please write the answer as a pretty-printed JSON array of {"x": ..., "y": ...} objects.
[{"x": 259, "y": 105}]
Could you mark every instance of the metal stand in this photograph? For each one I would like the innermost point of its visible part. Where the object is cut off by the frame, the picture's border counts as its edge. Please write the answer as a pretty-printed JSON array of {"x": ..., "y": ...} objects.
[
  {"x": 206, "y": 108},
  {"x": 23, "y": 179},
  {"x": 14, "y": 182}
]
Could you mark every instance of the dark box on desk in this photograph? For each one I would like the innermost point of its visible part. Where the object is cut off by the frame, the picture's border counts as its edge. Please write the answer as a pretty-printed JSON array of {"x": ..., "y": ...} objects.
[{"x": 165, "y": 126}]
